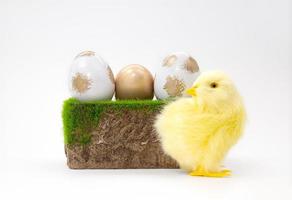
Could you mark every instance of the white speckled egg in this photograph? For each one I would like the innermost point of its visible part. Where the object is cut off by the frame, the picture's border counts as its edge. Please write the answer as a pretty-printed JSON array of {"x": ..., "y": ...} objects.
[
  {"x": 91, "y": 78},
  {"x": 177, "y": 73}
]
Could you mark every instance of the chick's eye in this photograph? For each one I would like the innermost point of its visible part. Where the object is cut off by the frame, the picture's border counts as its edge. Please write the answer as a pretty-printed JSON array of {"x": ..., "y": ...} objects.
[{"x": 213, "y": 85}]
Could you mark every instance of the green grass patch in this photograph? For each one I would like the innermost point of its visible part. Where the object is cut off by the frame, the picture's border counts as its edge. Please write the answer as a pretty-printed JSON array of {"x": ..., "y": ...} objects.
[{"x": 80, "y": 118}]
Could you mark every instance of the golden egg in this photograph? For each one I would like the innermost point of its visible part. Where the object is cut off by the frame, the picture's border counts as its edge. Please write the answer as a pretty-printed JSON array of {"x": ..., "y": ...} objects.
[{"x": 134, "y": 82}]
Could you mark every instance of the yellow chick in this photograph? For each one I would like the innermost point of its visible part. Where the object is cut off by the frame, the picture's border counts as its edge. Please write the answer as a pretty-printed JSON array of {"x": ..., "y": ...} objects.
[{"x": 198, "y": 132}]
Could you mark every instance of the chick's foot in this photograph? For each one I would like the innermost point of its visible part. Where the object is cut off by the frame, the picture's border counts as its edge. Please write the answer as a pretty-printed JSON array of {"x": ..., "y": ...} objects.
[{"x": 219, "y": 174}]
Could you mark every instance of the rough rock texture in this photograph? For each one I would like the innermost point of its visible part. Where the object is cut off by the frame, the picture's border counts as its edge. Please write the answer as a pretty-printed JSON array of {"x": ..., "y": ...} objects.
[{"x": 122, "y": 139}]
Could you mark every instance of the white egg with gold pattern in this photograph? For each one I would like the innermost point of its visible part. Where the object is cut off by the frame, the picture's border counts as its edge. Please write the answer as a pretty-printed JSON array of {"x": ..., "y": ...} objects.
[
  {"x": 91, "y": 78},
  {"x": 177, "y": 73}
]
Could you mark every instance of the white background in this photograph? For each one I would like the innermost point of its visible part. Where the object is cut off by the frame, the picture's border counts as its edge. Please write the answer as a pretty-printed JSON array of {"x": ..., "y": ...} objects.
[{"x": 249, "y": 39}]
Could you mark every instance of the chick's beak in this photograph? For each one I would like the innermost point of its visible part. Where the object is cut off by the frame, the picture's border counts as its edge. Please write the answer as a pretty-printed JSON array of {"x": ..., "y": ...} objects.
[{"x": 191, "y": 91}]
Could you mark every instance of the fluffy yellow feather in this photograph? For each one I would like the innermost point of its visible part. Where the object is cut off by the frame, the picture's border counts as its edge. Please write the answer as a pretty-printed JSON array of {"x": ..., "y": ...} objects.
[{"x": 198, "y": 132}]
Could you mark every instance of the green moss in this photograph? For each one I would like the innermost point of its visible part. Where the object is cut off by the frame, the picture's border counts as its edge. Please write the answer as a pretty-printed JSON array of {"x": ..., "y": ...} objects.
[{"x": 80, "y": 118}]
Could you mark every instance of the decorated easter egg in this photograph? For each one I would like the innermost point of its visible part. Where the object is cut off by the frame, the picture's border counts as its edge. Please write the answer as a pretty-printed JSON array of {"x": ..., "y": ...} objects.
[
  {"x": 134, "y": 82},
  {"x": 177, "y": 73},
  {"x": 91, "y": 78}
]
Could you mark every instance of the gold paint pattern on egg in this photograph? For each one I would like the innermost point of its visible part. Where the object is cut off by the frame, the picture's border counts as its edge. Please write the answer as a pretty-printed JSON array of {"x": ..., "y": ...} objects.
[
  {"x": 111, "y": 75},
  {"x": 169, "y": 60},
  {"x": 191, "y": 65},
  {"x": 86, "y": 53},
  {"x": 81, "y": 83},
  {"x": 174, "y": 87}
]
